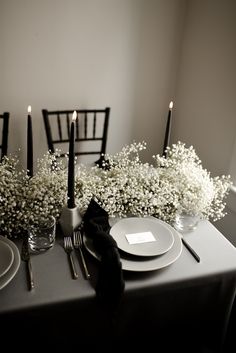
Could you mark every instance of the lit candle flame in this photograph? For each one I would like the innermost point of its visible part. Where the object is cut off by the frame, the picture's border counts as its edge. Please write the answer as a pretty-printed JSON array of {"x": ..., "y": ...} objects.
[
  {"x": 74, "y": 115},
  {"x": 29, "y": 109},
  {"x": 171, "y": 105}
]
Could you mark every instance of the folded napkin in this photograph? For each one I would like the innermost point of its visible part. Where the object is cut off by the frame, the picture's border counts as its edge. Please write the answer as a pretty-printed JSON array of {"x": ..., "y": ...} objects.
[{"x": 110, "y": 284}]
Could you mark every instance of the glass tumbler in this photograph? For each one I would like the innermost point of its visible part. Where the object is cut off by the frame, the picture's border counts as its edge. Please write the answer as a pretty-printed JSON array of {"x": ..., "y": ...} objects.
[{"x": 42, "y": 233}]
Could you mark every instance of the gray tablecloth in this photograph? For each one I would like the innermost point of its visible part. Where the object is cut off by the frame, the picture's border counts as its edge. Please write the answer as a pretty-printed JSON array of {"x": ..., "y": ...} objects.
[{"x": 185, "y": 305}]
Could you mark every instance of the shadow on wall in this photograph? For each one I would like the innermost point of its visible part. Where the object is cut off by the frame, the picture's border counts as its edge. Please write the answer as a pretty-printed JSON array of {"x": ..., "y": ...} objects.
[{"x": 227, "y": 226}]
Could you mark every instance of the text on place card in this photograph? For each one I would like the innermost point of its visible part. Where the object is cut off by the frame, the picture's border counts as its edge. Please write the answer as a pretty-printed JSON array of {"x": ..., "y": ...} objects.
[{"x": 137, "y": 238}]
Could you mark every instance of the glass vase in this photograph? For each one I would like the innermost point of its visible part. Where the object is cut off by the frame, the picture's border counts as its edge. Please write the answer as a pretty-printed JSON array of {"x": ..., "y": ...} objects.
[{"x": 185, "y": 222}]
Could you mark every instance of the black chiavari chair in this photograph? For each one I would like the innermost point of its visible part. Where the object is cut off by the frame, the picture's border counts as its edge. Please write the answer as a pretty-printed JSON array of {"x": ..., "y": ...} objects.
[{"x": 90, "y": 131}]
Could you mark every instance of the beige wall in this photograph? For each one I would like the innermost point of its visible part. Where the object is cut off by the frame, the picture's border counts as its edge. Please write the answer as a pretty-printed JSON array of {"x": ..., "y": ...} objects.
[
  {"x": 65, "y": 54},
  {"x": 206, "y": 91},
  {"x": 133, "y": 55},
  {"x": 161, "y": 31}
]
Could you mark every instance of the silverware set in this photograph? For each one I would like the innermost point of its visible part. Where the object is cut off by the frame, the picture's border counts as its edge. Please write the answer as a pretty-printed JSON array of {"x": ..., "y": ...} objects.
[
  {"x": 75, "y": 243},
  {"x": 70, "y": 244}
]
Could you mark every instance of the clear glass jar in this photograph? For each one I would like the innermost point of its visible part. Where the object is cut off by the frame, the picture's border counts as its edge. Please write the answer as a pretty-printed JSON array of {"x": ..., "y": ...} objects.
[
  {"x": 42, "y": 234},
  {"x": 185, "y": 222}
]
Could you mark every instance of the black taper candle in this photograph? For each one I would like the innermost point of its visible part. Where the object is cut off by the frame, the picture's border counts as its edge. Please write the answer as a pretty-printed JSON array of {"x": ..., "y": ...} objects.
[
  {"x": 168, "y": 130},
  {"x": 29, "y": 144},
  {"x": 71, "y": 165}
]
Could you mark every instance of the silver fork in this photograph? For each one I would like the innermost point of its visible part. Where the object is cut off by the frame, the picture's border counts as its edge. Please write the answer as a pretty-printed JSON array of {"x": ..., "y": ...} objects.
[
  {"x": 78, "y": 244},
  {"x": 68, "y": 246}
]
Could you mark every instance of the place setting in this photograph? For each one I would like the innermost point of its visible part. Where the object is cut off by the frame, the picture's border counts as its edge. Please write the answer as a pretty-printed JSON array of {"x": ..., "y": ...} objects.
[{"x": 144, "y": 243}]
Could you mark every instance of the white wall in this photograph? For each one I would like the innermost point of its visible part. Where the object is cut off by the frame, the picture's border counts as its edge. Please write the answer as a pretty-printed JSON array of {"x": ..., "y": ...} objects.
[
  {"x": 206, "y": 92},
  {"x": 66, "y": 54},
  {"x": 161, "y": 32}
]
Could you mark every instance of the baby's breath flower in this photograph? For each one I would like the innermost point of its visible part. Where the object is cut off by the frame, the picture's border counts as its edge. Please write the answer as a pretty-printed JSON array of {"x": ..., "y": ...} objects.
[
  {"x": 196, "y": 192},
  {"x": 12, "y": 185},
  {"x": 177, "y": 183},
  {"x": 125, "y": 186},
  {"x": 23, "y": 198}
]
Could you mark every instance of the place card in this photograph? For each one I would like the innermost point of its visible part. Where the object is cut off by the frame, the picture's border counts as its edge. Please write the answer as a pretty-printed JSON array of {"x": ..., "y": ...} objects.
[{"x": 138, "y": 238}]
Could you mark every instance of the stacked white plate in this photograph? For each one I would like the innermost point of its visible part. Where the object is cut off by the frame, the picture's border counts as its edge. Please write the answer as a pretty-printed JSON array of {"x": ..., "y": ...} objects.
[
  {"x": 145, "y": 244},
  {"x": 9, "y": 261}
]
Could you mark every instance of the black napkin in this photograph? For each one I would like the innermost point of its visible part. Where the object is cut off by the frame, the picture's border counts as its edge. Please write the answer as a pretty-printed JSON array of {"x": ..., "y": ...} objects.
[{"x": 110, "y": 284}]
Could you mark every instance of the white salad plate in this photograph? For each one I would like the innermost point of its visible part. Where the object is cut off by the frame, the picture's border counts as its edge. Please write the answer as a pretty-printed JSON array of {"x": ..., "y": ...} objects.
[
  {"x": 11, "y": 272},
  {"x": 142, "y": 236},
  {"x": 141, "y": 263},
  {"x": 6, "y": 257}
]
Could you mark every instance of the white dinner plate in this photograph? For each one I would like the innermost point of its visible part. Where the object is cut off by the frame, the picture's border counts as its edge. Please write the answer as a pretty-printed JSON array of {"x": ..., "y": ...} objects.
[
  {"x": 142, "y": 264},
  {"x": 6, "y": 257},
  {"x": 9, "y": 275},
  {"x": 151, "y": 236}
]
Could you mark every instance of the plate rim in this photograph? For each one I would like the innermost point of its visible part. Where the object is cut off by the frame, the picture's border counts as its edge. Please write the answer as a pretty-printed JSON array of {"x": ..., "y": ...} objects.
[
  {"x": 132, "y": 250},
  {"x": 11, "y": 258},
  {"x": 5, "y": 279}
]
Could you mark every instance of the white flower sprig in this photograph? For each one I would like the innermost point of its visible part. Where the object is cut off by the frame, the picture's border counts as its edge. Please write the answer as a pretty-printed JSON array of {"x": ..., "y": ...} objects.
[
  {"x": 12, "y": 186},
  {"x": 195, "y": 190},
  {"x": 23, "y": 199},
  {"x": 46, "y": 191}
]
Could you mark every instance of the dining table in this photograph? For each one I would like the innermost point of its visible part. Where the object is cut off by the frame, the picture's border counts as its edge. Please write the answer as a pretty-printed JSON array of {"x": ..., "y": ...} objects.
[{"x": 184, "y": 306}]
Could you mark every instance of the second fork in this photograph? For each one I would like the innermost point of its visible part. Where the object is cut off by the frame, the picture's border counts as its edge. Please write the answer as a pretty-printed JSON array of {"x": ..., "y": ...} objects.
[
  {"x": 68, "y": 246},
  {"x": 78, "y": 244}
]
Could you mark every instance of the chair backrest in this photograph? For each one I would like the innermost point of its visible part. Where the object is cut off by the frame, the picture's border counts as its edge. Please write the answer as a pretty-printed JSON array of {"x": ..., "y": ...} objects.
[
  {"x": 4, "y": 121},
  {"x": 90, "y": 132}
]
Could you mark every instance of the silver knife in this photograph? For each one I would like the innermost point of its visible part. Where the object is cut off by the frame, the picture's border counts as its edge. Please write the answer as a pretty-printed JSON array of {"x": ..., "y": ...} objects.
[{"x": 25, "y": 256}]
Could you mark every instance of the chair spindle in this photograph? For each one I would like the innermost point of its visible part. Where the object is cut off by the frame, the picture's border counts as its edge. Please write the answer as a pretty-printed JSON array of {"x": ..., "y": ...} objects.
[{"x": 59, "y": 126}]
